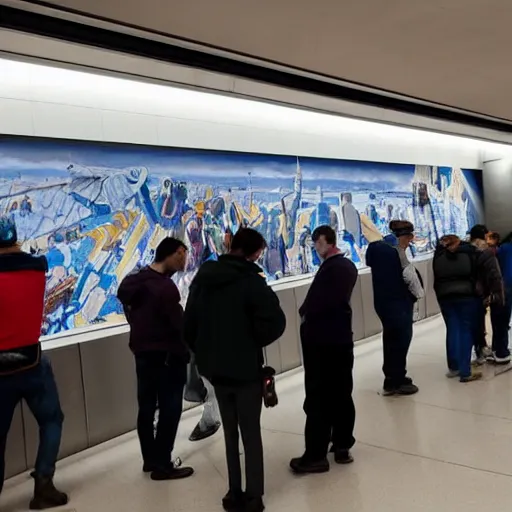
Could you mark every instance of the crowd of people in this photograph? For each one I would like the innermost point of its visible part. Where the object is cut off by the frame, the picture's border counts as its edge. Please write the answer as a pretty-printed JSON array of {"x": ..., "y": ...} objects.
[{"x": 231, "y": 315}]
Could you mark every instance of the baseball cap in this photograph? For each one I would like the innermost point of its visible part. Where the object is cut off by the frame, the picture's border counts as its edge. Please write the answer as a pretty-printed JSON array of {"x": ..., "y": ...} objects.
[{"x": 8, "y": 234}]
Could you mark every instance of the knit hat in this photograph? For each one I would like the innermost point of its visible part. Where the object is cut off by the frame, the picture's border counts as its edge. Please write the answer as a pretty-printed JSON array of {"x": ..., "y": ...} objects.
[{"x": 8, "y": 234}]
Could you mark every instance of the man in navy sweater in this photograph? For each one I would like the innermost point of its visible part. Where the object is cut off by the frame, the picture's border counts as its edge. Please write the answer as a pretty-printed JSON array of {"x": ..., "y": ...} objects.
[
  {"x": 328, "y": 353},
  {"x": 394, "y": 304}
]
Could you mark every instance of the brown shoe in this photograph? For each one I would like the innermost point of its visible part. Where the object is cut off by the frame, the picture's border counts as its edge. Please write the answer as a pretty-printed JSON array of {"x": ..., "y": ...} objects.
[{"x": 471, "y": 378}]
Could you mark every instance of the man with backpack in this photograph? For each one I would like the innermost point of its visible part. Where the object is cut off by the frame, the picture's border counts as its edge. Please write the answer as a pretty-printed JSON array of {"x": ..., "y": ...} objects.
[
  {"x": 464, "y": 279},
  {"x": 25, "y": 373}
]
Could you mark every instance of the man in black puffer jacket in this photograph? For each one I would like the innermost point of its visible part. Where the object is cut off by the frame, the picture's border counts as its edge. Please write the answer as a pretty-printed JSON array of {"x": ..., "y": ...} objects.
[
  {"x": 464, "y": 277},
  {"x": 231, "y": 315}
]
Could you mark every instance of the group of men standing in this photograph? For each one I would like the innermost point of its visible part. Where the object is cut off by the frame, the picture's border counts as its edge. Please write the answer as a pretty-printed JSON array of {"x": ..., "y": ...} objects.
[{"x": 230, "y": 316}]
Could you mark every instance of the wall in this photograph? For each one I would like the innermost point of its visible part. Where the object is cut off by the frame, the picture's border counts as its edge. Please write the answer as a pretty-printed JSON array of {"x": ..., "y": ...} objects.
[
  {"x": 497, "y": 177},
  {"x": 52, "y": 102}
]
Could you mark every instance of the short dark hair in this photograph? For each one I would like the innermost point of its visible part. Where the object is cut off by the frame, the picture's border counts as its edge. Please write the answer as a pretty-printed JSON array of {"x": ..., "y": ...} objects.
[
  {"x": 401, "y": 227},
  {"x": 247, "y": 241},
  {"x": 167, "y": 247},
  {"x": 478, "y": 232},
  {"x": 327, "y": 232}
]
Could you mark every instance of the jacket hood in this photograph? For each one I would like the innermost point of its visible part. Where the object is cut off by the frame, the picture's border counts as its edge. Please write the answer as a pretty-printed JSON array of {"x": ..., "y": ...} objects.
[
  {"x": 134, "y": 283},
  {"x": 225, "y": 271}
]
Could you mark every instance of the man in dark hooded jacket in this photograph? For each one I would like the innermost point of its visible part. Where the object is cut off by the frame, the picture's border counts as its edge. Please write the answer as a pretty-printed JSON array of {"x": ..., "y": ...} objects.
[
  {"x": 464, "y": 277},
  {"x": 231, "y": 315}
]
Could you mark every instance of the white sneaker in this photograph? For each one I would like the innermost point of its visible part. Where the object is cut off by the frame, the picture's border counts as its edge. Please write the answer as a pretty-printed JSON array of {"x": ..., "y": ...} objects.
[
  {"x": 479, "y": 361},
  {"x": 452, "y": 374},
  {"x": 486, "y": 351},
  {"x": 502, "y": 360}
]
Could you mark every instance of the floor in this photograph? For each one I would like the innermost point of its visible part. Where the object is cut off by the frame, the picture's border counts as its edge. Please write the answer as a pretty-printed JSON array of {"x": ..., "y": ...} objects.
[{"x": 449, "y": 448}]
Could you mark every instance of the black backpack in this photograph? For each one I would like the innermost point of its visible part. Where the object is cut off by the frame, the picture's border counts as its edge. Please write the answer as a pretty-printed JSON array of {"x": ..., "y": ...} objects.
[{"x": 455, "y": 273}]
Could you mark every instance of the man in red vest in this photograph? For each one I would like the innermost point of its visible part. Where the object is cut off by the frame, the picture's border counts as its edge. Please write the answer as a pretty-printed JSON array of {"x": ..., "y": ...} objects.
[{"x": 24, "y": 372}]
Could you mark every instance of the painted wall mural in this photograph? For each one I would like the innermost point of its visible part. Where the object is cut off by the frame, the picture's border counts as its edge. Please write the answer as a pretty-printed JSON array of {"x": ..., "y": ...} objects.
[{"x": 98, "y": 211}]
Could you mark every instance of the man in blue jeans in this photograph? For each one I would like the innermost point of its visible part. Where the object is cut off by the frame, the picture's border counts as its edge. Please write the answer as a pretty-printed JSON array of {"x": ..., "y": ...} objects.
[
  {"x": 152, "y": 306},
  {"x": 24, "y": 372},
  {"x": 464, "y": 278},
  {"x": 500, "y": 315}
]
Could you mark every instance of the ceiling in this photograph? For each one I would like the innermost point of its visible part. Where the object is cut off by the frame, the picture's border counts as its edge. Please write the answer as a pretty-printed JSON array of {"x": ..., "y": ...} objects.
[{"x": 453, "y": 52}]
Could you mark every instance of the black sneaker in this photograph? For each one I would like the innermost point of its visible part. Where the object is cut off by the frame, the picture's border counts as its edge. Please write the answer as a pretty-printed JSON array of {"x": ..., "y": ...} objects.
[
  {"x": 343, "y": 457},
  {"x": 234, "y": 501},
  {"x": 302, "y": 467},
  {"x": 46, "y": 495},
  {"x": 149, "y": 467},
  {"x": 253, "y": 505},
  {"x": 199, "y": 435},
  {"x": 407, "y": 389},
  {"x": 171, "y": 473}
]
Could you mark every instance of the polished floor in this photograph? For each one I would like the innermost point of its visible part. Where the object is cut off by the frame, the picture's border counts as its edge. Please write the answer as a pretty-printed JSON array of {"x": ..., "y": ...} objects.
[{"x": 449, "y": 448}]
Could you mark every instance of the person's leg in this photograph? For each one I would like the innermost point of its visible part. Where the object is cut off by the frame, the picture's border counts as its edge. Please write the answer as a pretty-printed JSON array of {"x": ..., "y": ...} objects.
[
  {"x": 9, "y": 399},
  {"x": 172, "y": 376},
  {"x": 405, "y": 319},
  {"x": 500, "y": 317},
  {"x": 319, "y": 367},
  {"x": 479, "y": 341},
  {"x": 249, "y": 403},
  {"x": 344, "y": 412},
  {"x": 452, "y": 337},
  {"x": 229, "y": 414},
  {"x": 389, "y": 349},
  {"x": 147, "y": 385},
  {"x": 42, "y": 398},
  {"x": 469, "y": 321}
]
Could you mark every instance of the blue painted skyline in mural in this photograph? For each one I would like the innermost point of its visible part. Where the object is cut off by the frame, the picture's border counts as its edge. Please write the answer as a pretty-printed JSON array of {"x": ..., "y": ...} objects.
[{"x": 98, "y": 211}]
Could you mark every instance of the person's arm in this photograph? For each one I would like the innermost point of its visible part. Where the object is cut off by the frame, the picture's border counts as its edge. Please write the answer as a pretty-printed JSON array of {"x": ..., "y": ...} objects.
[
  {"x": 492, "y": 276},
  {"x": 171, "y": 309},
  {"x": 269, "y": 320}
]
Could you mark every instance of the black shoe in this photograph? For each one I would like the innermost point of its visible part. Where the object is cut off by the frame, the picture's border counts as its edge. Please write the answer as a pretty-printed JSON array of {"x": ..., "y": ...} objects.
[
  {"x": 199, "y": 435},
  {"x": 171, "y": 473},
  {"x": 302, "y": 467},
  {"x": 234, "y": 501},
  {"x": 407, "y": 389},
  {"x": 46, "y": 495},
  {"x": 343, "y": 457},
  {"x": 149, "y": 467},
  {"x": 253, "y": 505}
]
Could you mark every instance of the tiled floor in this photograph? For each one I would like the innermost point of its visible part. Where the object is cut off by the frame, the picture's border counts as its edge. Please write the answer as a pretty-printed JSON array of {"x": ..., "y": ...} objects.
[{"x": 449, "y": 448}]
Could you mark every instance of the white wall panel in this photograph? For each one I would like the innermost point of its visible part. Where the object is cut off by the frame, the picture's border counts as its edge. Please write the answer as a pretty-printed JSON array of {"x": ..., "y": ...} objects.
[{"x": 16, "y": 117}]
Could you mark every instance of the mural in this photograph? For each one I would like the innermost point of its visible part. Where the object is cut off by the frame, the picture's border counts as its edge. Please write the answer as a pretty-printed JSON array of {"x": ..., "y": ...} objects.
[{"x": 99, "y": 211}]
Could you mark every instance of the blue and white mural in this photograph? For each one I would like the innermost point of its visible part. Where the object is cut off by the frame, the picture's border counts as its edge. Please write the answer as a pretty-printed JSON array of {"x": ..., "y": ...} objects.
[{"x": 98, "y": 211}]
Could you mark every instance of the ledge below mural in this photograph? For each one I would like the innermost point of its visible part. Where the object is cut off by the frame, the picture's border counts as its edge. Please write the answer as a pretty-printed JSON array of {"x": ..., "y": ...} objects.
[{"x": 98, "y": 211}]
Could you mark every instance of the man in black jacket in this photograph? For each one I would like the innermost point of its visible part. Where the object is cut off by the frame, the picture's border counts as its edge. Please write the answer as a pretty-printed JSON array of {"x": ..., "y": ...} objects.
[
  {"x": 151, "y": 302},
  {"x": 328, "y": 353},
  {"x": 231, "y": 315},
  {"x": 464, "y": 277}
]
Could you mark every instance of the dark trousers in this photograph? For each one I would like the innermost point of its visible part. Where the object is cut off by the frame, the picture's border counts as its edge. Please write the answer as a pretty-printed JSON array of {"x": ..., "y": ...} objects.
[
  {"x": 479, "y": 339},
  {"x": 397, "y": 320},
  {"x": 37, "y": 387},
  {"x": 159, "y": 382},
  {"x": 500, "y": 319},
  {"x": 329, "y": 407},
  {"x": 462, "y": 323},
  {"x": 240, "y": 408}
]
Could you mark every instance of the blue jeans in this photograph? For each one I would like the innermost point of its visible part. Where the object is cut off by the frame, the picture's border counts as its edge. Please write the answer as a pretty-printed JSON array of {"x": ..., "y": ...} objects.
[
  {"x": 461, "y": 317},
  {"x": 159, "y": 382},
  {"x": 37, "y": 387},
  {"x": 500, "y": 319}
]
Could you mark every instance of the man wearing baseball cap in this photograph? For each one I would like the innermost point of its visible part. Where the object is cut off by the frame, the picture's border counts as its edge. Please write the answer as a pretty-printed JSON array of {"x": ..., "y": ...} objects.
[{"x": 24, "y": 372}]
